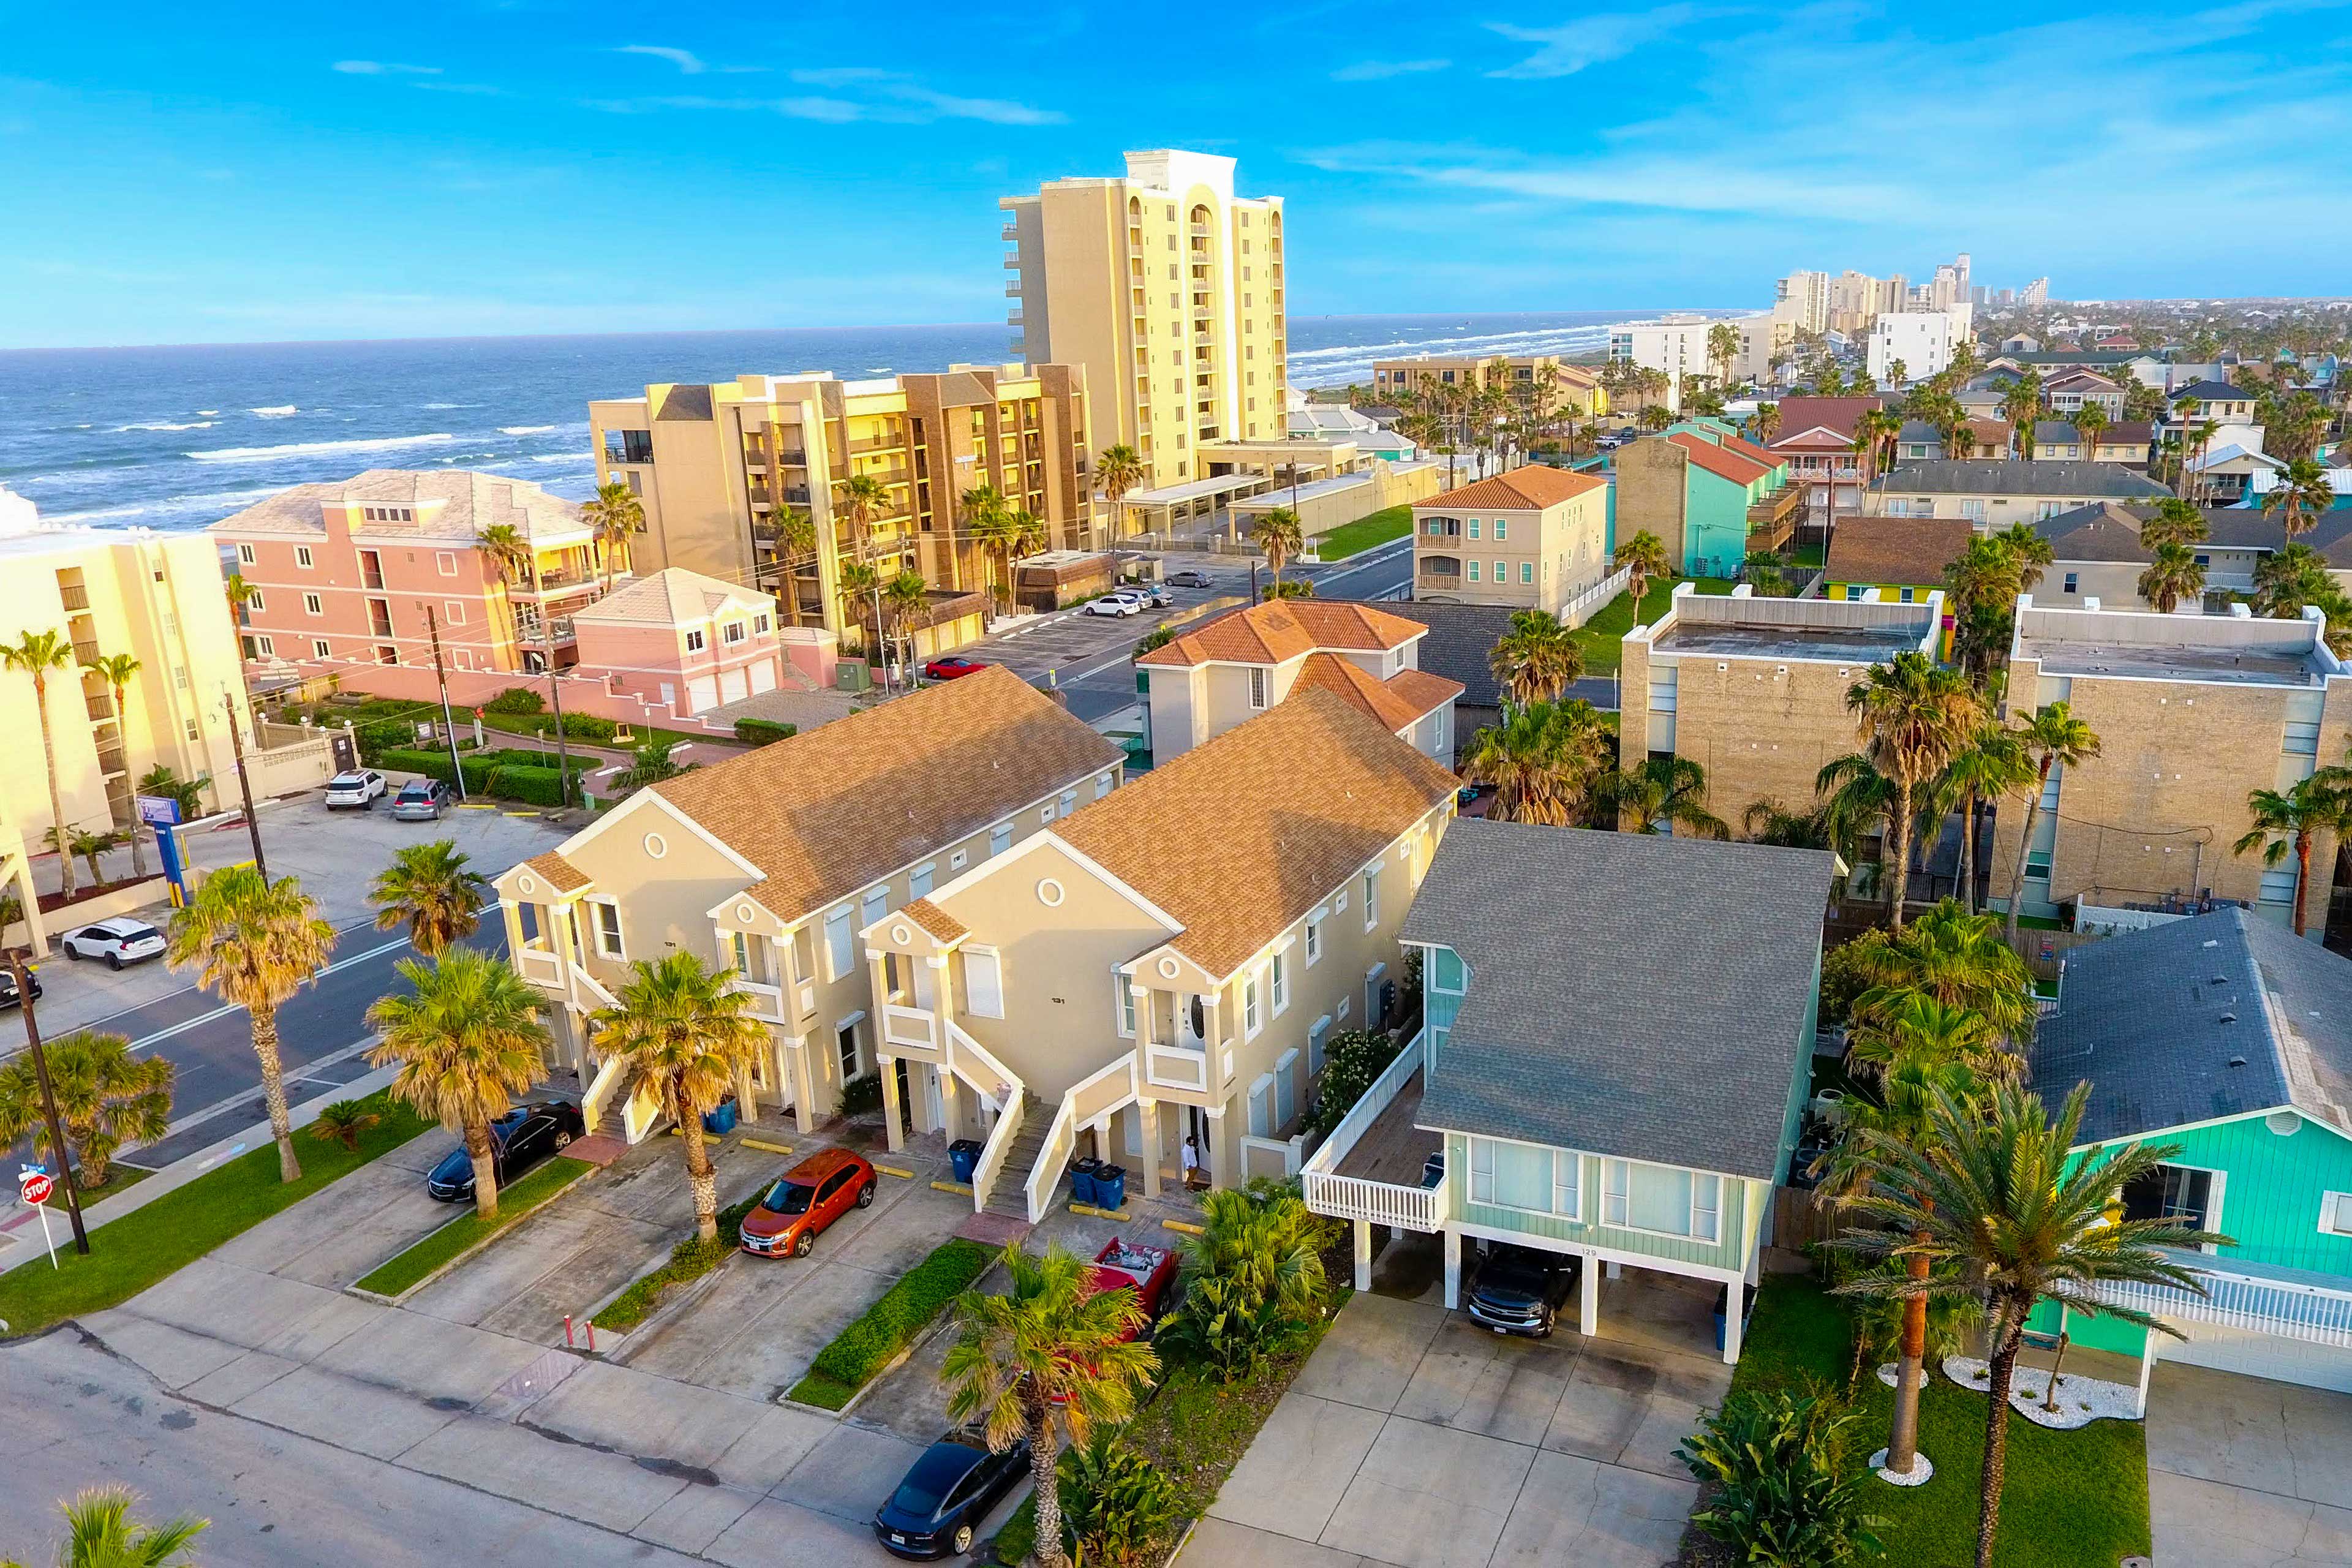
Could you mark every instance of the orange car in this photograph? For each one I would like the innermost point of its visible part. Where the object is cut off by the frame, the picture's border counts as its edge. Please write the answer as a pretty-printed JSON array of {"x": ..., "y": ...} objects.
[{"x": 804, "y": 1201}]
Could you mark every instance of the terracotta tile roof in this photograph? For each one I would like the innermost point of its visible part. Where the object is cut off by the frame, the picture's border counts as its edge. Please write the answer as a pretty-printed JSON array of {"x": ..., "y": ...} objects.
[
  {"x": 1532, "y": 488},
  {"x": 1751, "y": 451},
  {"x": 1799, "y": 414},
  {"x": 561, "y": 874},
  {"x": 828, "y": 810},
  {"x": 1994, "y": 433},
  {"x": 672, "y": 596},
  {"x": 1239, "y": 837},
  {"x": 936, "y": 920},
  {"x": 1392, "y": 704},
  {"x": 1724, "y": 465},
  {"x": 1282, "y": 629},
  {"x": 1911, "y": 550}
]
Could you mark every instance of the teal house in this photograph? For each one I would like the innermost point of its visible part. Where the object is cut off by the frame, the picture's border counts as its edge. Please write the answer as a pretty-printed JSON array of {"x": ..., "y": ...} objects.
[
  {"x": 2231, "y": 1037},
  {"x": 1710, "y": 496},
  {"x": 1616, "y": 1046}
]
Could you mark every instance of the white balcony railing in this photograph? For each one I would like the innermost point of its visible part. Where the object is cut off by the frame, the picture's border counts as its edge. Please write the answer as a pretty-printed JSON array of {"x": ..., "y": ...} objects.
[
  {"x": 1176, "y": 1067},
  {"x": 2248, "y": 1296},
  {"x": 767, "y": 1000},
  {"x": 539, "y": 964},
  {"x": 1382, "y": 1203},
  {"x": 915, "y": 1027}
]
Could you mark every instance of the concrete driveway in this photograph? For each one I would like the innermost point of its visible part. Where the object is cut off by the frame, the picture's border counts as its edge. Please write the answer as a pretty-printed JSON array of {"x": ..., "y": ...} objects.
[
  {"x": 2247, "y": 1473},
  {"x": 1413, "y": 1437}
]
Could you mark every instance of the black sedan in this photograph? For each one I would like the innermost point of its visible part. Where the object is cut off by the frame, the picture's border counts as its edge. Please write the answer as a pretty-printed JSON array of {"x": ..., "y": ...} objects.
[
  {"x": 1518, "y": 1290},
  {"x": 524, "y": 1136},
  {"x": 9, "y": 998},
  {"x": 937, "y": 1509}
]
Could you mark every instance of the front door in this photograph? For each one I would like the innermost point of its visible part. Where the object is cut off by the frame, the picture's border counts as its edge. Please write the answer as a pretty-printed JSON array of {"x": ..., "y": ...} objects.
[
  {"x": 934, "y": 1103},
  {"x": 906, "y": 1093}
]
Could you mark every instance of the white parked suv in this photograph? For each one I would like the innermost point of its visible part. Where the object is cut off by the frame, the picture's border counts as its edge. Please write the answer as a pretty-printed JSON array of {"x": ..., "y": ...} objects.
[
  {"x": 1121, "y": 602},
  {"x": 118, "y": 941},
  {"x": 357, "y": 790}
]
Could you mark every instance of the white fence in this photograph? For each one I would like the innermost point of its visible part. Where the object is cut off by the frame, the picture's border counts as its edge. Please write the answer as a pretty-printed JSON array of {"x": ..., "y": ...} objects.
[
  {"x": 1353, "y": 1197},
  {"x": 1589, "y": 603},
  {"x": 2288, "y": 1307}
]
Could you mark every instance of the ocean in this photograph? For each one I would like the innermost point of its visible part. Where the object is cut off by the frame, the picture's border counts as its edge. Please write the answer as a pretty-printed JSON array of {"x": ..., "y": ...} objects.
[{"x": 180, "y": 438}]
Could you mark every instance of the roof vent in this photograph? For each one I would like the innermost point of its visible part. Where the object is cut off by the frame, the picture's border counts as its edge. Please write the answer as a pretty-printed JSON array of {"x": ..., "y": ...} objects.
[
  {"x": 2208, "y": 942},
  {"x": 2220, "y": 980},
  {"x": 2237, "y": 1061}
]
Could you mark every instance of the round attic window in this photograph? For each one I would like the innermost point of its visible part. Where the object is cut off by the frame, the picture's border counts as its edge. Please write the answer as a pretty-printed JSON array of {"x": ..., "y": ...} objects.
[
  {"x": 1049, "y": 893},
  {"x": 527, "y": 883},
  {"x": 1169, "y": 968},
  {"x": 2282, "y": 1122},
  {"x": 743, "y": 912},
  {"x": 657, "y": 845},
  {"x": 901, "y": 934}
]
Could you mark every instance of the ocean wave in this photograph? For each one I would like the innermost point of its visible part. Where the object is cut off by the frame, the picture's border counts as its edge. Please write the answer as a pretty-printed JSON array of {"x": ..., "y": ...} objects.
[
  {"x": 449, "y": 405},
  {"x": 585, "y": 459},
  {"x": 209, "y": 412},
  {"x": 525, "y": 429},
  {"x": 165, "y": 425},
  {"x": 220, "y": 502},
  {"x": 281, "y": 411},
  {"x": 314, "y": 448}
]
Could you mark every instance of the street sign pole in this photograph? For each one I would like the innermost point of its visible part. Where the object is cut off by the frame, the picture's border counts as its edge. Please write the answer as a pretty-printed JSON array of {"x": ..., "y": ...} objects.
[{"x": 33, "y": 1186}]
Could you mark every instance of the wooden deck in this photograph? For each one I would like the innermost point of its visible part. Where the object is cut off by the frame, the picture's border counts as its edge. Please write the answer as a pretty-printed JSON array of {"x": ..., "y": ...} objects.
[{"x": 1392, "y": 1148}]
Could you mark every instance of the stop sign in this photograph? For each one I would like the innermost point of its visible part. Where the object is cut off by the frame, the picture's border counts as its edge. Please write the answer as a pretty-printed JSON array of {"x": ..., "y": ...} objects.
[{"x": 34, "y": 1187}]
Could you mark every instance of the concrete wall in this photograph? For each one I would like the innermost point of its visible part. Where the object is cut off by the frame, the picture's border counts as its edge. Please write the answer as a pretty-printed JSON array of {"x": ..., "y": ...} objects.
[{"x": 1652, "y": 494}]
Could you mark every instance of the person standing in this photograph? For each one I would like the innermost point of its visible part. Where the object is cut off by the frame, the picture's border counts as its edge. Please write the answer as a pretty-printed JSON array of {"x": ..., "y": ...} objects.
[{"x": 1193, "y": 1180}]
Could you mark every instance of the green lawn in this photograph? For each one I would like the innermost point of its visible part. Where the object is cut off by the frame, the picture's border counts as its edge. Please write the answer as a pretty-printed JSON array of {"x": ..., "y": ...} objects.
[
  {"x": 1600, "y": 635},
  {"x": 531, "y": 724},
  {"x": 1351, "y": 538},
  {"x": 133, "y": 1252},
  {"x": 2072, "y": 1498},
  {"x": 406, "y": 1268}
]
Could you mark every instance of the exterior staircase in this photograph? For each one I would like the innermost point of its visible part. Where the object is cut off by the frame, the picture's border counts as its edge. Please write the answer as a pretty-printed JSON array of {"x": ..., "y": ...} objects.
[{"x": 1011, "y": 1197}]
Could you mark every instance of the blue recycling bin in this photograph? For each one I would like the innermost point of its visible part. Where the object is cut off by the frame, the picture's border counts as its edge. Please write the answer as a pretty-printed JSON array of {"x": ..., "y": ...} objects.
[
  {"x": 963, "y": 1158},
  {"x": 1111, "y": 1187},
  {"x": 719, "y": 1121},
  {"x": 1083, "y": 1180}
]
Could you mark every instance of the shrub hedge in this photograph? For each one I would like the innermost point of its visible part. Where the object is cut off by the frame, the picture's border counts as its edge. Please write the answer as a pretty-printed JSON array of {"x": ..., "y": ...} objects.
[
  {"x": 530, "y": 777},
  {"x": 515, "y": 700},
  {"x": 690, "y": 1259},
  {"x": 863, "y": 1348},
  {"x": 761, "y": 731}
]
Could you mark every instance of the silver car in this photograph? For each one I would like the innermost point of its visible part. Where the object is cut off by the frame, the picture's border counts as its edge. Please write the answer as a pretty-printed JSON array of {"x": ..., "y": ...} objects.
[{"x": 422, "y": 800}]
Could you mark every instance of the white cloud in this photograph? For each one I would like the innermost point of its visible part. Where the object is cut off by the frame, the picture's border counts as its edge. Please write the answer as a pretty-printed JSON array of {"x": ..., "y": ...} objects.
[
  {"x": 887, "y": 99},
  {"x": 383, "y": 67},
  {"x": 831, "y": 110},
  {"x": 1589, "y": 41},
  {"x": 995, "y": 110},
  {"x": 688, "y": 62},
  {"x": 1382, "y": 70}
]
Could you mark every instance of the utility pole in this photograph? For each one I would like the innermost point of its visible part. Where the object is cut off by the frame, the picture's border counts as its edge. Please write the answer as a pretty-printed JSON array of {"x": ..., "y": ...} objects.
[
  {"x": 448, "y": 723},
  {"x": 58, "y": 1148},
  {"x": 244, "y": 782}
]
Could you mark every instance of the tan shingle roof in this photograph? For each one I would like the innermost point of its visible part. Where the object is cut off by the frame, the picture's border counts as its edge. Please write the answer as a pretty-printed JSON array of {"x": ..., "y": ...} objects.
[
  {"x": 561, "y": 874},
  {"x": 1394, "y": 704},
  {"x": 936, "y": 920},
  {"x": 1239, "y": 837},
  {"x": 1533, "y": 487},
  {"x": 1282, "y": 629},
  {"x": 1905, "y": 550},
  {"x": 470, "y": 502},
  {"x": 827, "y": 812},
  {"x": 670, "y": 597}
]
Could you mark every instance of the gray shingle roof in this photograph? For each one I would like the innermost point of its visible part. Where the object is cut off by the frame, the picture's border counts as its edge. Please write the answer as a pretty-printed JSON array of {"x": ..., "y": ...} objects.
[
  {"x": 2019, "y": 477},
  {"x": 2225, "y": 1015},
  {"x": 2214, "y": 392},
  {"x": 1629, "y": 994},
  {"x": 1460, "y": 645}
]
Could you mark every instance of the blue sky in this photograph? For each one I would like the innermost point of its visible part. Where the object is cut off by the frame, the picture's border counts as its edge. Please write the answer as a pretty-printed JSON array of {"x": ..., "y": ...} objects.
[{"x": 261, "y": 171}]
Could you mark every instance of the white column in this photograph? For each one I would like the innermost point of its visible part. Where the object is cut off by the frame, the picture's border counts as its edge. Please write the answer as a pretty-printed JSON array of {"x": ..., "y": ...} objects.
[
  {"x": 888, "y": 1068},
  {"x": 796, "y": 1060},
  {"x": 747, "y": 1097},
  {"x": 1364, "y": 1254},
  {"x": 1453, "y": 1268},
  {"x": 2147, "y": 1369},
  {"x": 1147, "y": 1114},
  {"x": 1737, "y": 1289},
  {"x": 1588, "y": 1297}
]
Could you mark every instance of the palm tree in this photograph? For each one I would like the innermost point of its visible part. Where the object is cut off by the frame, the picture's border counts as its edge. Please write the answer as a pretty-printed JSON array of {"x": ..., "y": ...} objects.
[
  {"x": 1855, "y": 801},
  {"x": 430, "y": 888},
  {"x": 1664, "y": 794},
  {"x": 861, "y": 498},
  {"x": 1537, "y": 660},
  {"x": 905, "y": 596},
  {"x": 650, "y": 764},
  {"x": 2302, "y": 493},
  {"x": 1989, "y": 765},
  {"x": 1956, "y": 960},
  {"x": 2290, "y": 578},
  {"x": 1910, "y": 717},
  {"x": 2053, "y": 737},
  {"x": 2319, "y": 804},
  {"x": 187, "y": 793},
  {"x": 1766, "y": 423},
  {"x": 90, "y": 846},
  {"x": 1118, "y": 470},
  {"x": 1049, "y": 1359},
  {"x": 2032, "y": 553},
  {"x": 118, "y": 670},
  {"x": 1998, "y": 1195},
  {"x": 2173, "y": 576},
  {"x": 687, "y": 1032},
  {"x": 997, "y": 535},
  {"x": 857, "y": 584},
  {"x": 1541, "y": 761},
  {"x": 254, "y": 943},
  {"x": 614, "y": 516},
  {"x": 2174, "y": 521},
  {"x": 467, "y": 1040},
  {"x": 1898, "y": 1023},
  {"x": 1768, "y": 821},
  {"x": 106, "y": 1098},
  {"x": 240, "y": 594},
  {"x": 1641, "y": 558},
  {"x": 511, "y": 552},
  {"x": 36, "y": 654},
  {"x": 1722, "y": 348},
  {"x": 1279, "y": 535},
  {"x": 2090, "y": 423},
  {"x": 101, "y": 1534},
  {"x": 2022, "y": 406}
]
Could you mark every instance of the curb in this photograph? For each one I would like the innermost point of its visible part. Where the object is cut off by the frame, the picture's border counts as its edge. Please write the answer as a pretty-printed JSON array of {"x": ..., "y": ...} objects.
[{"x": 455, "y": 1258}]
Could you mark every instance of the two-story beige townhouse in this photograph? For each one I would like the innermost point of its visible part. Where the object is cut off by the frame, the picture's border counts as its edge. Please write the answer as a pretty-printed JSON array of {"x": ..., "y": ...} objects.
[
  {"x": 1168, "y": 963},
  {"x": 1534, "y": 539},
  {"x": 769, "y": 864},
  {"x": 1229, "y": 670}
]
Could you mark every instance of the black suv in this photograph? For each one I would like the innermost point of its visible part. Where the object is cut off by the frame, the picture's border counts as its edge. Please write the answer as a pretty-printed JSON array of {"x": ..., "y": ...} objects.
[{"x": 1518, "y": 1290}]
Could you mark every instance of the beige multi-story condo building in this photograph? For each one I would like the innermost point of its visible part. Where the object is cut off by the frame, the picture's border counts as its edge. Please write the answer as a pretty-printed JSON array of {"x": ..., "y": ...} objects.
[
  {"x": 2194, "y": 713},
  {"x": 1577, "y": 385},
  {"x": 1166, "y": 289},
  {"x": 1227, "y": 671},
  {"x": 1753, "y": 690},
  {"x": 158, "y": 597},
  {"x": 1170, "y": 963},
  {"x": 1533, "y": 538},
  {"x": 769, "y": 864},
  {"x": 721, "y": 468}
]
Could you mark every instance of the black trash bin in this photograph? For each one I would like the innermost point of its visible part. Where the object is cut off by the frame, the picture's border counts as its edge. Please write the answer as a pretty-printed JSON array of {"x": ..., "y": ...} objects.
[
  {"x": 963, "y": 1158},
  {"x": 1082, "y": 1179},
  {"x": 1111, "y": 1187}
]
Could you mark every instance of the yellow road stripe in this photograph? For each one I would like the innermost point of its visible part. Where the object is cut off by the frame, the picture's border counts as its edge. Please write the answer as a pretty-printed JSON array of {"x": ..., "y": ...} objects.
[
  {"x": 1185, "y": 1225},
  {"x": 963, "y": 1187},
  {"x": 894, "y": 1171},
  {"x": 767, "y": 1147}
]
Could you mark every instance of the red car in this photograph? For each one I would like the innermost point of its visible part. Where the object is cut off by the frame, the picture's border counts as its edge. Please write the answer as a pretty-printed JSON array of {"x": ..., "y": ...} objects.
[
  {"x": 804, "y": 1201},
  {"x": 953, "y": 667},
  {"x": 1139, "y": 1267}
]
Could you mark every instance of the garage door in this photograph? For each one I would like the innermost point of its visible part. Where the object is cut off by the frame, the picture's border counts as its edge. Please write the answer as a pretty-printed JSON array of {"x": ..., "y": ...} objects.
[
  {"x": 732, "y": 686},
  {"x": 2252, "y": 1354},
  {"x": 702, "y": 692},
  {"x": 764, "y": 677}
]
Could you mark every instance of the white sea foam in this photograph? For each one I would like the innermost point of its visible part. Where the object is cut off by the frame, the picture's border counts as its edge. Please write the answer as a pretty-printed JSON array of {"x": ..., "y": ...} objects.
[
  {"x": 280, "y": 412},
  {"x": 449, "y": 405},
  {"x": 166, "y": 425},
  {"x": 525, "y": 429},
  {"x": 314, "y": 448},
  {"x": 219, "y": 503},
  {"x": 209, "y": 412},
  {"x": 583, "y": 460}
]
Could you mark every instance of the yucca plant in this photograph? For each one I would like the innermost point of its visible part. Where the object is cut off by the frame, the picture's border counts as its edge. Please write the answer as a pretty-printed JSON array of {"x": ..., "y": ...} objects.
[
  {"x": 1785, "y": 1495},
  {"x": 343, "y": 1121},
  {"x": 1118, "y": 1506}
]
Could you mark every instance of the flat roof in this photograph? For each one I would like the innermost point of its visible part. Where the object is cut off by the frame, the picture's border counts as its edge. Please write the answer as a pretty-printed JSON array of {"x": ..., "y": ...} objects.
[
  {"x": 1736, "y": 639},
  {"x": 1192, "y": 490},
  {"x": 2172, "y": 661},
  {"x": 1281, "y": 495}
]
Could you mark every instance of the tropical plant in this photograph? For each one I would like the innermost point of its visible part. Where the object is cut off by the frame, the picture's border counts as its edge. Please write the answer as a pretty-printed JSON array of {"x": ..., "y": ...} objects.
[
  {"x": 686, "y": 1033},
  {"x": 342, "y": 1121},
  {"x": 1004, "y": 534},
  {"x": 1541, "y": 761},
  {"x": 650, "y": 764},
  {"x": 1856, "y": 801},
  {"x": 187, "y": 793},
  {"x": 614, "y": 516},
  {"x": 905, "y": 596},
  {"x": 1537, "y": 660},
  {"x": 2288, "y": 580},
  {"x": 1991, "y": 762},
  {"x": 1911, "y": 716},
  {"x": 1663, "y": 794},
  {"x": 1643, "y": 559},
  {"x": 240, "y": 594},
  {"x": 1766, "y": 572},
  {"x": 431, "y": 888},
  {"x": 1998, "y": 1194},
  {"x": 1766, "y": 423},
  {"x": 861, "y": 499},
  {"x": 2173, "y": 576},
  {"x": 2053, "y": 738},
  {"x": 1768, "y": 821},
  {"x": 2032, "y": 553},
  {"x": 106, "y": 1098},
  {"x": 101, "y": 1534},
  {"x": 89, "y": 844},
  {"x": 467, "y": 1039},
  {"x": 253, "y": 942},
  {"x": 1253, "y": 1277},
  {"x": 1899, "y": 1024},
  {"x": 2290, "y": 818},
  {"x": 1117, "y": 470},
  {"x": 856, "y": 584},
  {"x": 1958, "y": 959},
  {"x": 2174, "y": 521},
  {"x": 1954, "y": 1318},
  {"x": 1118, "y": 1504},
  {"x": 1050, "y": 1359},
  {"x": 1278, "y": 533},
  {"x": 38, "y": 654},
  {"x": 1353, "y": 1059},
  {"x": 118, "y": 670},
  {"x": 2090, "y": 423},
  {"x": 1722, "y": 349},
  {"x": 1784, "y": 1495},
  {"x": 2302, "y": 493}
]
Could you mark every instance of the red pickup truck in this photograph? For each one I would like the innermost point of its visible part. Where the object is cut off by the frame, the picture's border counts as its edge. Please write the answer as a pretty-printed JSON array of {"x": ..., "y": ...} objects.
[{"x": 1149, "y": 1271}]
